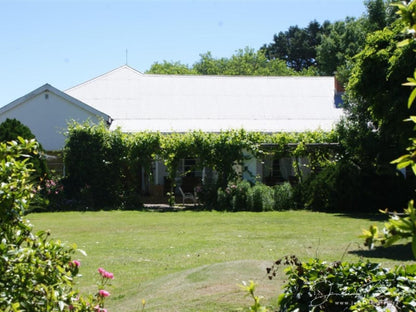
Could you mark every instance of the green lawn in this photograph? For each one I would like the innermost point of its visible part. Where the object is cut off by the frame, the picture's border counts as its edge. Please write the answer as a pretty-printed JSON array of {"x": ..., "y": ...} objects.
[{"x": 193, "y": 261}]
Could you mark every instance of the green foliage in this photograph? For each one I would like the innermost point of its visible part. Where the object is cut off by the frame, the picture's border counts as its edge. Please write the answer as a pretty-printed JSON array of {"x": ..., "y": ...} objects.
[
  {"x": 343, "y": 186},
  {"x": 318, "y": 49},
  {"x": 104, "y": 168},
  {"x": 166, "y": 68},
  {"x": 239, "y": 194},
  {"x": 283, "y": 197},
  {"x": 96, "y": 162},
  {"x": 261, "y": 198},
  {"x": 373, "y": 132},
  {"x": 86, "y": 164},
  {"x": 376, "y": 97},
  {"x": 250, "y": 290},
  {"x": 341, "y": 286},
  {"x": 247, "y": 62},
  {"x": 35, "y": 274},
  {"x": 377, "y": 14},
  {"x": 15, "y": 177},
  {"x": 343, "y": 40},
  {"x": 402, "y": 228},
  {"x": 398, "y": 228},
  {"x": 243, "y": 196},
  {"x": 297, "y": 46},
  {"x": 11, "y": 130}
]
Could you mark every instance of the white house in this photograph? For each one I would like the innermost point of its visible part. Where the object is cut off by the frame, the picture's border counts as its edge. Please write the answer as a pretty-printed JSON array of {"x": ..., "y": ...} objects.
[
  {"x": 136, "y": 102},
  {"x": 47, "y": 111}
]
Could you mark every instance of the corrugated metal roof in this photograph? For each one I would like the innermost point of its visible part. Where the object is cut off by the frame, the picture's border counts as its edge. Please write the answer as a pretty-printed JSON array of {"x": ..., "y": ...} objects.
[{"x": 174, "y": 103}]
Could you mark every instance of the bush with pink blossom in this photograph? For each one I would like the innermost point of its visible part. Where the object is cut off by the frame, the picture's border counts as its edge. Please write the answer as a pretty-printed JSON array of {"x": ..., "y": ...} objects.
[{"x": 36, "y": 272}]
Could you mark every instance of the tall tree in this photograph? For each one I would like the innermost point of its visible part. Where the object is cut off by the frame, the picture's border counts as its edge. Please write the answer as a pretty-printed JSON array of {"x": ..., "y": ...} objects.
[
  {"x": 343, "y": 40},
  {"x": 377, "y": 14},
  {"x": 297, "y": 46},
  {"x": 347, "y": 38}
]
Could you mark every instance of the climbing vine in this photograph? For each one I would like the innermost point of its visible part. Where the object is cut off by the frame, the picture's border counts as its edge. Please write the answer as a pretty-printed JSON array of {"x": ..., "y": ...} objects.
[{"x": 113, "y": 163}]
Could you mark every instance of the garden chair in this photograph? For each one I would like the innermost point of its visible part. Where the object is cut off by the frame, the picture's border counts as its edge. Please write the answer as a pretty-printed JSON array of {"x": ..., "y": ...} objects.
[{"x": 187, "y": 195}]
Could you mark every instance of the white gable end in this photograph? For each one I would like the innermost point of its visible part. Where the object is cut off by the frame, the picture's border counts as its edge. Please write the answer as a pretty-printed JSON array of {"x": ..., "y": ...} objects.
[{"x": 47, "y": 111}]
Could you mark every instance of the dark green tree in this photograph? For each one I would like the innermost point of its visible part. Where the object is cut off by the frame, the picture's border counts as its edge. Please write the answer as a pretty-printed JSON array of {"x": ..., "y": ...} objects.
[
  {"x": 297, "y": 46},
  {"x": 10, "y": 130},
  {"x": 376, "y": 14}
]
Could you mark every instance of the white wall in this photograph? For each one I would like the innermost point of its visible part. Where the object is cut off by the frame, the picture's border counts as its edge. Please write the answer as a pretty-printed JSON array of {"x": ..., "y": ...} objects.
[{"x": 47, "y": 115}]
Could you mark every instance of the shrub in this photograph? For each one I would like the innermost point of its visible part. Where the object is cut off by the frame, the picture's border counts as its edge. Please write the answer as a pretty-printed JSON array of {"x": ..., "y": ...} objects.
[
  {"x": 95, "y": 160},
  {"x": 283, "y": 197},
  {"x": 261, "y": 198},
  {"x": 398, "y": 228},
  {"x": 36, "y": 273},
  {"x": 363, "y": 286},
  {"x": 345, "y": 187},
  {"x": 240, "y": 200},
  {"x": 10, "y": 130},
  {"x": 223, "y": 202},
  {"x": 243, "y": 196}
]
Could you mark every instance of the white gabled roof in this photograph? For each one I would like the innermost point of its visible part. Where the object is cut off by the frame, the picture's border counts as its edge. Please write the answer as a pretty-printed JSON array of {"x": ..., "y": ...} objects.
[
  {"x": 47, "y": 87},
  {"x": 175, "y": 103}
]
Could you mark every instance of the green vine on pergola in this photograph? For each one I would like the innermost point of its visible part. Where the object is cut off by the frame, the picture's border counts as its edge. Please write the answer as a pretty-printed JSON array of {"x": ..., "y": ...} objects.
[{"x": 219, "y": 151}]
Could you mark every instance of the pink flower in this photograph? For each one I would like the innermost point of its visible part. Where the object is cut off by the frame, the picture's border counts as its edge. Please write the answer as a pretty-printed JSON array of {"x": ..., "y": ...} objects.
[
  {"x": 109, "y": 275},
  {"x": 105, "y": 274},
  {"x": 76, "y": 263},
  {"x": 103, "y": 293}
]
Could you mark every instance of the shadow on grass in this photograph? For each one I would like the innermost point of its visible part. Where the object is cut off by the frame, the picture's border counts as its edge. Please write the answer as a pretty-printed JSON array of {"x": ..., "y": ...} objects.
[
  {"x": 376, "y": 217},
  {"x": 395, "y": 252}
]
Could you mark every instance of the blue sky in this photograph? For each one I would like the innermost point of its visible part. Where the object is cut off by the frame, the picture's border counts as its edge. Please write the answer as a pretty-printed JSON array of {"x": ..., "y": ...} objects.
[{"x": 65, "y": 42}]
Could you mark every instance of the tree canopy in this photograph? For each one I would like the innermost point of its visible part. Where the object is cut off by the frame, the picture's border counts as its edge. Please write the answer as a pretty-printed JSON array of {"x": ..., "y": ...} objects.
[
  {"x": 11, "y": 129},
  {"x": 246, "y": 62},
  {"x": 297, "y": 46},
  {"x": 376, "y": 99},
  {"x": 317, "y": 49}
]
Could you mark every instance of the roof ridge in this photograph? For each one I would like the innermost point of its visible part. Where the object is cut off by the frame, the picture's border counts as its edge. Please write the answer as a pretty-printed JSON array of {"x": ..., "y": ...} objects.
[{"x": 103, "y": 75}]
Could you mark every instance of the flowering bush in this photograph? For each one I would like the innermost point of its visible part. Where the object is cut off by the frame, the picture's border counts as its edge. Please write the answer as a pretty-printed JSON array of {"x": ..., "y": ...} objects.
[{"x": 36, "y": 272}]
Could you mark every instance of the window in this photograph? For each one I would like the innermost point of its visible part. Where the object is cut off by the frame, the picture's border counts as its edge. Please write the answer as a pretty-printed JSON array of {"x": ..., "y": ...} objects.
[{"x": 189, "y": 167}]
